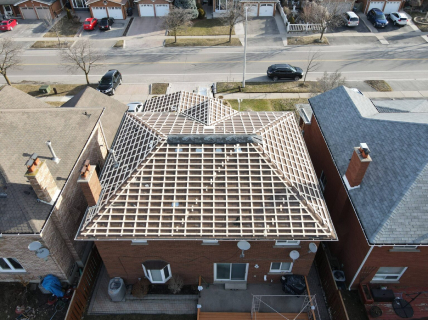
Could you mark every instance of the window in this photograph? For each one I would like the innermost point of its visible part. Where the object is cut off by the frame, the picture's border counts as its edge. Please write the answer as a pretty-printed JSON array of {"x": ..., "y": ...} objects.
[
  {"x": 230, "y": 271},
  {"x": 10, "y": 265},
  {"x": 210, "y": 242},
  {"x": 287, "y": 243},
  {"x": 405, "y": 247},
  {"x": 389, "y": 273},
  {"x": 158, "y": 276},
  {"x": 323, "y": 181},
  {"x": 281, "y": 267},
  {"x": 139, "y": 242}
]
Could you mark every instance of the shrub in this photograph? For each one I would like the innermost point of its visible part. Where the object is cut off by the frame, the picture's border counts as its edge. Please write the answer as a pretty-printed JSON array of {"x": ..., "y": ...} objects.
[
  {"x": 69, "y": 16},
  {"x": 287, "y": 11},
  {"x": 198, "y": 5},
  {"x": 201, "y": 13},
  {"x": 175, "y": 284},
  {"x": 292, "y": 20}
]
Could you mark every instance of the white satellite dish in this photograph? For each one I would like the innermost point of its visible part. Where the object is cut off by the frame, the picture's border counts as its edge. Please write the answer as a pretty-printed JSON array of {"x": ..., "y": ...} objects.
[
  {"x": 312, "y": 248},
  {"x": 34, "y": 246},
  {"x": 294, "y": 255},
  {"x": 243, "y": 245},
  {"x": 42, "y": 253}
]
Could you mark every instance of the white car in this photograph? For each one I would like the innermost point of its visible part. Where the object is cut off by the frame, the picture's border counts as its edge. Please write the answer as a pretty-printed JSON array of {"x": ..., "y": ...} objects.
[
  {"x": 135, "y": 107},
  {"x": 398, "y": 18},
  {"x": 351, "y": 19}
]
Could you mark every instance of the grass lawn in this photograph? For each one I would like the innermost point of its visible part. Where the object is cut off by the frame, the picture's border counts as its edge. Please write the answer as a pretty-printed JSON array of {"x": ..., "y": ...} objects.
[
  {"x": 201, "y": 42},
  {"x": 159, "y": 88},
  {"x": 266, "y": 87},
  {"x": 379, "y": 85},
  {"x": 205, "y": 27},
  {"x": 119, "y": 44},
  {"x": 55, "y": 103},
  {"x": 422, "y": 27},
  {"x": 301, "y": 41},
  {"x": 66, "y": 28},
  {"x": 51, "y": 44},
  {"x": 140, "y": 317},
  {"x": 62, "y": 89},
  {"x": 267, "y": 104}
]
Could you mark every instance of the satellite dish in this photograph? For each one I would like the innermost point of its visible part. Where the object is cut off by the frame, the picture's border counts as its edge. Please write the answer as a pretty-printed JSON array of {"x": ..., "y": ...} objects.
[
  {"x": 42, "y": 253},
  {"x": 35, "y": 245},
  {"x": 243, "y": 245},
  {"x": 312, "y": 248},
  {"x": 294, "y": 255}
]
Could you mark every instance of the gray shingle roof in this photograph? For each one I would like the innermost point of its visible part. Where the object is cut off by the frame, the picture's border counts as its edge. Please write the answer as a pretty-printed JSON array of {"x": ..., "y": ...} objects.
[{"x": 391, "y": 202}]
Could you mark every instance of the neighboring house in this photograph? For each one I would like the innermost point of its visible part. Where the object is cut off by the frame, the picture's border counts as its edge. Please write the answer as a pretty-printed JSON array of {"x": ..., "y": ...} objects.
[
  {"x": 378, "y": 203},
  {"x": 37, "y": 201},
  {"x": 7, "y": 8},
  {"x": 386, "y": 6},
  {"x": 190, "y": 178},
  {"x": 39, "y": 9},
  {"x": 108, "y": 8},
  {"x": 149, "y": 8},
  {"x": 256, "y": 8}
]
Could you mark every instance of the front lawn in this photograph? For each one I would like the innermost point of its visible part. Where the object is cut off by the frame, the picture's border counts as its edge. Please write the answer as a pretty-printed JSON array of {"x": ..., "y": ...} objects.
[
  {"x": 379, "y": 85},
  {"x": 159, "y": 88},
  {"x": 266, "y": 104},
  {"x": 203, "y": 42},
  {"x": 205, "y": 27},
  {"x": 66, "y": 28},
  {"x": 307, "y": 40},
  {"x": 62, "y": 89},
  {"x": 51, "y": 44},
  {"x": 422, "y": 27},
  {"x": 266, "y": 87}
]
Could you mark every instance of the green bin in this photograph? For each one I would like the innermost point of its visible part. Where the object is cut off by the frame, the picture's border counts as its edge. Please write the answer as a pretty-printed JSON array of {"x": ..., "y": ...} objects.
[{"x": 45, "y": 89}]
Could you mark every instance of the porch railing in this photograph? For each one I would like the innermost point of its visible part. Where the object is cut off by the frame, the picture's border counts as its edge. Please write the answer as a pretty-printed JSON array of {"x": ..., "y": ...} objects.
[{"x": 304, "y": 27}]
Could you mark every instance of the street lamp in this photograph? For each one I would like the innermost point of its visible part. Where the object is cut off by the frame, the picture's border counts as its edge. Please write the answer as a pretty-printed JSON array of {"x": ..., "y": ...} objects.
[{"x": 245, "y": 47}]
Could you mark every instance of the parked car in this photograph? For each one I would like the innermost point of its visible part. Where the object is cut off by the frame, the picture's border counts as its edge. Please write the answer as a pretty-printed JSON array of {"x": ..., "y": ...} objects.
[
  {"x": 90, "y": 23},
  {"x": 377, "y": 18},
  {"x": 8, "y": 25},
  {"x": 284, "y": 71},
  {"x": 398, "y": 18},
  {"x": 105, "y": 23},
  {"x": 351, "y": 19},
  {"x": 135, "y": 107},
  {"x": 109, "y": 82}
]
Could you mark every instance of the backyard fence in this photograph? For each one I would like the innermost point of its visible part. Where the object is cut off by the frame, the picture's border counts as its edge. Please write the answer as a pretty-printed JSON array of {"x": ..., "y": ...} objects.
[
  {"x": 333, "y": 294},
  {"x": 83, "y": 291},
  {"x": 283, "y": 15}
]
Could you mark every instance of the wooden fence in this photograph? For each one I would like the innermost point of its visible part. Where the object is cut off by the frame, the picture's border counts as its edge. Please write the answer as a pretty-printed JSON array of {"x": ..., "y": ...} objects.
[
  {"x": 83, "y": 291},
  {"x": 333, "y": 294}
]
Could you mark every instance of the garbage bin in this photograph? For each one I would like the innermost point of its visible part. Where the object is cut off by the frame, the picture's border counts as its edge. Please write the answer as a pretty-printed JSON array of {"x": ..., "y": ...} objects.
[{"x": 116, "y": 289}]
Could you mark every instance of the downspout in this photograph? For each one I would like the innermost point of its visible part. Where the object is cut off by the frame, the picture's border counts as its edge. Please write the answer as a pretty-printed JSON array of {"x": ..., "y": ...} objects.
[{"x": 361, "y": 266}]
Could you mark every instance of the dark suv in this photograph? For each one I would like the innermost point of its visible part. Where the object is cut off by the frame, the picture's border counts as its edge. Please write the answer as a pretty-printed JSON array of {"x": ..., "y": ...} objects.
[
  {"x": 377, "y": 18},
  {"x": 109, "y": 82},
  {"x": 105, "y": 23},
  {"x": 284, "y": 71}
]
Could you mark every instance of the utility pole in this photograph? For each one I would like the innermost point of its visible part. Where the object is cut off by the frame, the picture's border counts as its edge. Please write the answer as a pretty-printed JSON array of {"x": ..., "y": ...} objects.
[{"x": 245, "y": 48}]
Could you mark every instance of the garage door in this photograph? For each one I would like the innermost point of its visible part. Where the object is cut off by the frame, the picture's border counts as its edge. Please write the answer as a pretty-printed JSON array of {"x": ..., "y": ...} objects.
[
  {"x": 99, "y": 12},
  {"x": 391, "y": 6},
  {"x": 147, "y": 10},
  {"x": 115, "y": 12},
  {"x": 252, "y": 10},
  {"x": 266, "y": 10},
  {"x": 28, "y": 13},
  {"x": 376, "y": 4},
  {"x": 162, "y": 10},
  {"x": 43, "y": 12}
]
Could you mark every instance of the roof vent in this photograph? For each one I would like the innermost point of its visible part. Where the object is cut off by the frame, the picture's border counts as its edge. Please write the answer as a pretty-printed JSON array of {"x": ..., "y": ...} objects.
[{"x": 54, "y": 157}]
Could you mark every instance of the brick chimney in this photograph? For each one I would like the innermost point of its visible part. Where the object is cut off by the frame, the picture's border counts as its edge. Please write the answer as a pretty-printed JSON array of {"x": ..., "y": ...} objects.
[
  {"x": 89, "y": 183},
  {"x": 41, "y": 179},
  {"x": 360, "y": 161}
]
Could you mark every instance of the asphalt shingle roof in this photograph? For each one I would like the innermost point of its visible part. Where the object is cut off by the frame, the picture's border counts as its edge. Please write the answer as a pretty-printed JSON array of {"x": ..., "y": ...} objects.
[{"x": 391, "y": 202}]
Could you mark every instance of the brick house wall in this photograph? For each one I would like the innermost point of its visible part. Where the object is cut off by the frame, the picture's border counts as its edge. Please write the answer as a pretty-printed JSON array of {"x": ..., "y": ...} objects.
[
  {"x": 56, "y": 8},
  {"x": 109, "y": 4},
  {"x": 191, "y": 259}
]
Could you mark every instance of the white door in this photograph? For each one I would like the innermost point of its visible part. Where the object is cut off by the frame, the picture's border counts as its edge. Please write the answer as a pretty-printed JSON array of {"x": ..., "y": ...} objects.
[
  {"x": 8, "y": 10},
  {"x": 115, "y": 12},
  {"x": 391, "y": 6},
  {"x": 28, "y": 13},
  {"x": 230, "y": 271},
  {"x": 99, "y": 12},
  {"x": 252, "y": 10},
  {"x": 162, "y": 10},
  {"x": 266, "y": 10},
  {"x": 376, "y": 4},
  {"x": 44, "y": 13},
  {"x": 147, "y": 10}
]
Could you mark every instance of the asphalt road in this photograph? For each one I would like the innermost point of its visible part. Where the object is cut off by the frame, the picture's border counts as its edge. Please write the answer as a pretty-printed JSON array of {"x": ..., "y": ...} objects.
[{"x": 226, "y": 64}]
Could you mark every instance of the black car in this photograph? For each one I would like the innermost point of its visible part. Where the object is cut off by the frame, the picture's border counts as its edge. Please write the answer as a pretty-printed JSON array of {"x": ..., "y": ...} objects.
[
  {"x": 284, "y": 71},
  {"x": 105, "y": 23},
  {"x": 109, "y": 82}
]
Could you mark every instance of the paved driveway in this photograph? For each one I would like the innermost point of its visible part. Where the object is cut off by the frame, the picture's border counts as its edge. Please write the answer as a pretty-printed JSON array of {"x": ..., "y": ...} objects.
[
  {"x": 262, "y": 26},
  {"x": 361, "y": 28},
  {"x": 26, "y": 29},
  {"x": 116, "y": 31},
  {"x": 146, "y": 26}
]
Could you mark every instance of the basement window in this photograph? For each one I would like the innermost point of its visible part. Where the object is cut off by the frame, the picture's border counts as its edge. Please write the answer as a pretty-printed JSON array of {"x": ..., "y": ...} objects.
[
  {"x": 323, "y": 181},
  {"x": 281, "y": 267},
  {"x": 139, "y": 242},
  {"x": 404, "y": 249},
  {"x": 158, "y": 276},
  {"x": 10, "y": 265},
  {"x": 385, "y": 274}
]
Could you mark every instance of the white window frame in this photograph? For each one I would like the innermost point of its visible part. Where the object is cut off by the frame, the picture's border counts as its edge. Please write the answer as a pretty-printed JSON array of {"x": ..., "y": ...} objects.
[
  {"x": 322, "y": 180},
  {"x": 12, "y": 268},
  {"x": 287, "y": 243},
  {"x": 382, "y": 277},
  {"x": 148, "y": 274},
  {"x": 280, "y": 270},
  {"x": 230, "y": 272}
]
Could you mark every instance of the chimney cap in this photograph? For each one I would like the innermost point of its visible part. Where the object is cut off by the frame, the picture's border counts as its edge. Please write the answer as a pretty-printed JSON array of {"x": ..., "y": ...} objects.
[{"x": 364, "y": 149}]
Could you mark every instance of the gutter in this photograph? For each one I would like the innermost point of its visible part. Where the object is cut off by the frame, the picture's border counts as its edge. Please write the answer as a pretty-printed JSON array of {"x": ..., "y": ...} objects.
[{"x": 360, "y": 267}]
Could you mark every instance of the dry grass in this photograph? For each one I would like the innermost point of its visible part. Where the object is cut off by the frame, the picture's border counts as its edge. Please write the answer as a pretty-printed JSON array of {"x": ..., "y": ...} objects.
[
  {"x": 159, "y": 88},
  {"x": 266, "y": 87},
  {"x": 307, "y": 40},
  {"x": 55, "y": 103},
  {"x": 201, "y": 42},
  {"x": 379, "y": 85},
  {"x": 62, "y": 89},
  {"x": 67, "y": 29},
  {"x": 51, "y": 44},
  {"x": 266, "y": 104},
  {"x": 119, "y": 44},
  {"x": 422, "y": 27},
  {"x": 205, "y": 27}
]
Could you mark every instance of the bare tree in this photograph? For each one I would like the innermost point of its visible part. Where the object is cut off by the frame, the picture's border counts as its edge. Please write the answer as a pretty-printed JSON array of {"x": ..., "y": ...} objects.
[
  {"x": 330, "y": 81},
  {"x": 9, "y": 56},
  {"x": 415, "y": 3},
  {"x": 312, "y": 63},
  {"x": 177, "y": 18},
  {"x": 235, "y": 13},
  {"x": 54, "y": 25},
  {"x": 81, "y": 56},
  {"x": 326, "y": 14}
]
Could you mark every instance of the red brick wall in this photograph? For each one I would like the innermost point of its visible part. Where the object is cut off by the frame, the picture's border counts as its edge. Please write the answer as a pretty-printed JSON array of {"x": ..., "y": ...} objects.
[{"x": 191, "y": 259}]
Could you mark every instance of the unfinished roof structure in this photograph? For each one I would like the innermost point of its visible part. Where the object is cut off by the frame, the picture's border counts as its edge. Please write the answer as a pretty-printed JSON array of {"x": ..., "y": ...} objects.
[{"x": 191, "y": 167}]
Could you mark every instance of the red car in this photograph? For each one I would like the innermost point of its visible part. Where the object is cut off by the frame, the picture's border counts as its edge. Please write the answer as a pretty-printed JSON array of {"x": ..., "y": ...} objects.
[
  {"x": 8, "y": 25},
  {"x": 90, "y": 23}
]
